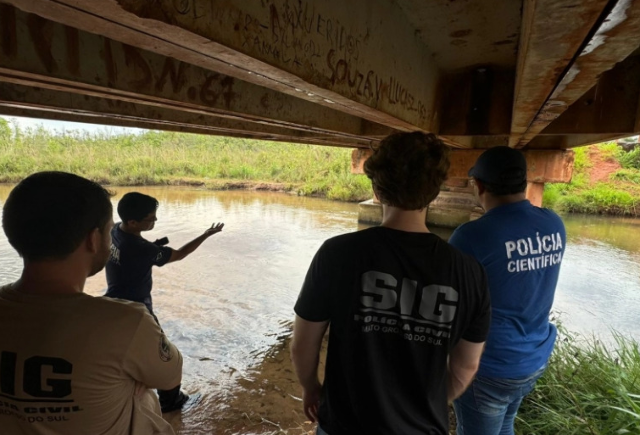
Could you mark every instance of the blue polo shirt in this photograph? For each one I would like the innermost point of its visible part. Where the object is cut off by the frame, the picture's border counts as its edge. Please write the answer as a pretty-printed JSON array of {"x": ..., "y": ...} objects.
[
  {"x": 521, "y": 248},
  {"x": 129, "y": 266}
]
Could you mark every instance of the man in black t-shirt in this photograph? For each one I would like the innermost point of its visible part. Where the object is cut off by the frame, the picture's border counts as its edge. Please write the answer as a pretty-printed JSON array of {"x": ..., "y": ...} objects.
[
  {"x": 133, "y": 256},
  {"x": 409, "y": 314}
]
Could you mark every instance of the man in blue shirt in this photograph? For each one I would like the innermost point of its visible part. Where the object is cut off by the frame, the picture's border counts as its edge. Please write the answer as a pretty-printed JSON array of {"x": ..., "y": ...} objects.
[
  {"x": 133, "y": 256},
  {"x": 521, "y": 248}
]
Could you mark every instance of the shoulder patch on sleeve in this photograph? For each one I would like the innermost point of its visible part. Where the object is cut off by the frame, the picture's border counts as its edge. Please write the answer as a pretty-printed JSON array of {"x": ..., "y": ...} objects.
[{"x": 164, "y": 349}]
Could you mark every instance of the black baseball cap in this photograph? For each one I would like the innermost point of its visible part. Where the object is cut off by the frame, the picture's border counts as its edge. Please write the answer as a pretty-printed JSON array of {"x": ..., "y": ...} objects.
[{"x": 500, "y": 166}]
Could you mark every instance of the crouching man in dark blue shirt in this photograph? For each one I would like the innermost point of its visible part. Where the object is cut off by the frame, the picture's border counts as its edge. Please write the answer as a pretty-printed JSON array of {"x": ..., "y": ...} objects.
[{"x": 133, "y": 256}]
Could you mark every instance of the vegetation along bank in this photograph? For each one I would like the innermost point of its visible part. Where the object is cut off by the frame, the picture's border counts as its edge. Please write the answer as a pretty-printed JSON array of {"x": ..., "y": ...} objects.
[{"x": 606, "y": 178}]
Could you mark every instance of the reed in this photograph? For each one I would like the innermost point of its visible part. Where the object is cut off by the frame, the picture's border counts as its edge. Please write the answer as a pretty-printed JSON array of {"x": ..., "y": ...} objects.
[
  {"x": 590, "y": 387},
  {"x": 154, "y": 158}
]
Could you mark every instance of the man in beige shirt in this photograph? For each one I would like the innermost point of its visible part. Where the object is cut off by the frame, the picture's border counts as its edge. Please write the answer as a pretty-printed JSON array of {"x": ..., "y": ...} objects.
[{"x": 71, "y": 363}]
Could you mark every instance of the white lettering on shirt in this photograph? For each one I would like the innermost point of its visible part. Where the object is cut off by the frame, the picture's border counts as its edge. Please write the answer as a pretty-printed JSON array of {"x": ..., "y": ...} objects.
[
  {"x": 548, "y": 245},
  {"x": 382, "y": 305},
  {"x": 114, "y": 257}
]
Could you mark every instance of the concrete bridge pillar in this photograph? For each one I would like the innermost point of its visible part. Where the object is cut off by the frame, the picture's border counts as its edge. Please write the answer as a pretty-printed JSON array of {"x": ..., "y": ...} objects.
[
  {"x": 535, "y": 192},
  {"x": 456, "y": 203}
]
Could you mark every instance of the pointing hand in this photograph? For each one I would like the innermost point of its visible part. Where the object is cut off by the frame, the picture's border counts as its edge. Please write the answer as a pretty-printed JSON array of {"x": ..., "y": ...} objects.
[{"x": 215, "y": 228}]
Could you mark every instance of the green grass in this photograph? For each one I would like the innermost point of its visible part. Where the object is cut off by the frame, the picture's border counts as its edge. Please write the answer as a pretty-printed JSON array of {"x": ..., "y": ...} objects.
[
  {"x": 619, "y": 196},
  {"x": 215, "y": 162},
  {"x": 631, "y": 160},
  {"x": 581, "y": 160},
  {"x": 610, "y": 151},
  {"x": 588, "y": 388},
  {"x": 629, "y": 175},
  {"x": 603, "y": 198},
  {"x": 170, "y": 158}
]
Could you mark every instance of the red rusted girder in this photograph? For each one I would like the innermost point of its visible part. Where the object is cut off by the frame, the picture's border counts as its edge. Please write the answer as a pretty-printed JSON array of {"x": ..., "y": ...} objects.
[{"x": 616, "y": 36}]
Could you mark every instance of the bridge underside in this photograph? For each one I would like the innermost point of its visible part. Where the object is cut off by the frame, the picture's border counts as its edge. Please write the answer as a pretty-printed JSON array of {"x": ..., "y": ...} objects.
[
  {"x": 534, "y": 74},
  {"x": 541, "y": 75}
]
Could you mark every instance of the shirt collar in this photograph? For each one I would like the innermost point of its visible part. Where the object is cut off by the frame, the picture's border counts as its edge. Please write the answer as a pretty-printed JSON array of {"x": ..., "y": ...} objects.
[{"x": 506, "y": 208}]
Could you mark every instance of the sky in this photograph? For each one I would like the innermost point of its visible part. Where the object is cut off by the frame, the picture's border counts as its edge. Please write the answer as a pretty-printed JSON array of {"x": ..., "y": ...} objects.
[{"x": 61, "y": 126}]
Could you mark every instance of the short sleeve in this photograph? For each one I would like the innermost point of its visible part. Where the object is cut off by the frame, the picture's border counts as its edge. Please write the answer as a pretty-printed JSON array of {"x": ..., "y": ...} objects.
[
  {"x": 151, "y": 358},
  {"x": 480, "y": 319},
  {"x": 161, "y": 255},
  {"x": 314, "y": 300}
]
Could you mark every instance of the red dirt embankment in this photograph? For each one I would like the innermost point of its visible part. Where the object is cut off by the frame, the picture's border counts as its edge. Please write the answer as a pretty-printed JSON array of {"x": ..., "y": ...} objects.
[{"x": 602, "y": 166}]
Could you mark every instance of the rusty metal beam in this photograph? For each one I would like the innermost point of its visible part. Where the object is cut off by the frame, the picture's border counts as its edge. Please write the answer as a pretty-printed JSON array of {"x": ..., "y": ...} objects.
[
  {"x": 550, "y": 142},
  {"x": 475, "y": 141},
  {"x": 616, "y": 36},
  {"x": 42, "y": 53},
  {"x": 326, "y": 52},
  {"x": 117, "y": 121},
  {"x": 552, "y": 33},
  {"x": 611, "y": 106},
  {"x": 27, "y": 96},
  {"x": 98, "y": 118}
]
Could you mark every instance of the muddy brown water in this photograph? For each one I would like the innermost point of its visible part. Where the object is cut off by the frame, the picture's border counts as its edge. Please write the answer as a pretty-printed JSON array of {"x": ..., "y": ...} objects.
[{"x": 228, "y": 306}]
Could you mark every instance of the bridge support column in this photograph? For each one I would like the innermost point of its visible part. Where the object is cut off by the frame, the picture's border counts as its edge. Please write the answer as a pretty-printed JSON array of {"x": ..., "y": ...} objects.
[
  {"x": 456, "y": 203},
  {"x": 534, "y": 193}
]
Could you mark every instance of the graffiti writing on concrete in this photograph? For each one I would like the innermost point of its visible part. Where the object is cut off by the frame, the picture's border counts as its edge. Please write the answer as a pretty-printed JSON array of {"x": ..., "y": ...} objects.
[
  {"x": 371, "y": 85},
  {"x": 52, "y": 49},
  {"x": 296, "y": 34},
  {"x": 191, "y": 8},
  {"x": 144, "y": 72},
  {"x": 293, "y": 33},
  {"x": 284, "y": 37}
]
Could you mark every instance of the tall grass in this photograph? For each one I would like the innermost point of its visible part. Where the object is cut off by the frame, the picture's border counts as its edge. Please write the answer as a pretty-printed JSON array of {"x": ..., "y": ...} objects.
[
  {"x": 155, "y": 158},
  {"x": 588, "y": 388},
  {"x": 603, "y": 198},
  {"x": 631, "y": 160},
  {"x": 610, "y": 151},
  {"x": 629, "y": 175},
  {"x": 170, "y": 158}
]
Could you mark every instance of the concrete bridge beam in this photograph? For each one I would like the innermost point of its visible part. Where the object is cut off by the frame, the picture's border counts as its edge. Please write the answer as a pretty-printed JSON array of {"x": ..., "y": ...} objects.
[
  {"x": 328, "y": 53},
  {"x": 543, "y": 166},
  {"x": 42, "y": 53},
  {"x": 356, "y": 69}
]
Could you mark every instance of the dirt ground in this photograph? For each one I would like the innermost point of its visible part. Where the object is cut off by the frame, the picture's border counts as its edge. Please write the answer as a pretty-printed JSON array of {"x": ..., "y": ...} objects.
[
  {"x": 268, "y": 400},
  {"x": 602, "y": 167}
]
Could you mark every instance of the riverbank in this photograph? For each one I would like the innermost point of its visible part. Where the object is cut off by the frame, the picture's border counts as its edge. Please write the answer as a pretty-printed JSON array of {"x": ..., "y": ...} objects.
[
  {"x": 606, "y": 179},
  {"x": 223, "y": 307},
  {"x": 587, "y": 389},
  {"x": 166, "y": 158}
]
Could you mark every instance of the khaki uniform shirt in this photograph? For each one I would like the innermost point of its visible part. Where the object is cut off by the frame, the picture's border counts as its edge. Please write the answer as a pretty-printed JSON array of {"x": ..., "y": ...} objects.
[{"x": 77, "y": 364}]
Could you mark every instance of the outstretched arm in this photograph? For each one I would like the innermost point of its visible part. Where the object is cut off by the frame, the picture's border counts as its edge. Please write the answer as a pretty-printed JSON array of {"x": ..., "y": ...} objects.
[
  {"x": 179, "y": 254},
  {"x": 305, "y": 353}
]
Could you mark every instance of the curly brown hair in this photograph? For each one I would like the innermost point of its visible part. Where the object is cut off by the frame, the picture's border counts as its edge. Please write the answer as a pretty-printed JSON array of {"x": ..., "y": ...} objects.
[{"x": 407, "y": 169}]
